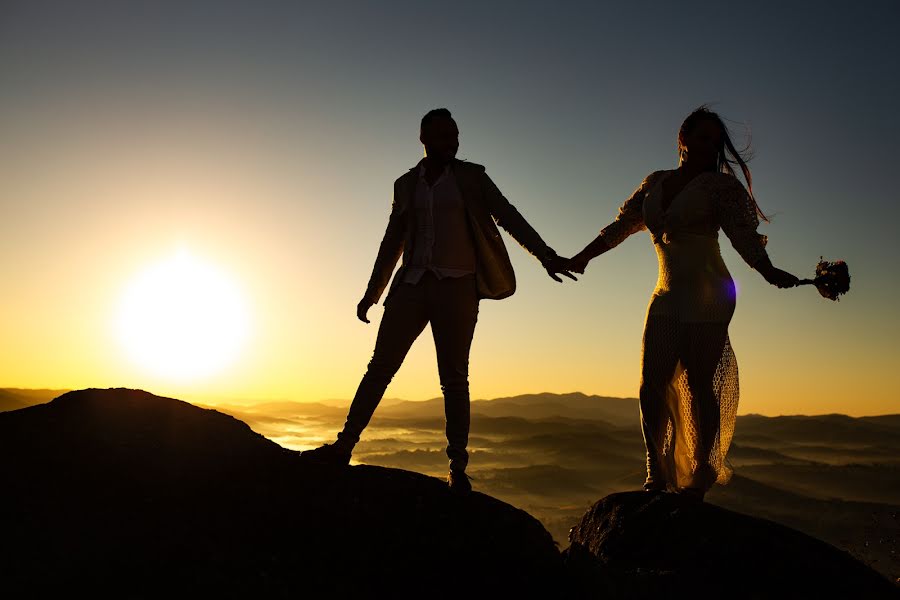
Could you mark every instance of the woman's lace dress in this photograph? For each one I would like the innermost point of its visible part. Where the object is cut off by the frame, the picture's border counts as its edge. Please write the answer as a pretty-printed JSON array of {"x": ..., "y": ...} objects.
[{"x": 689, "y": 375}]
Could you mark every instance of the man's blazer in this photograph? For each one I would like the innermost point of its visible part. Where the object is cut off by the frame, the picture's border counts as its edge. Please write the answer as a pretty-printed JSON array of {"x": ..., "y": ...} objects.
[{"x": 484, "y": 205}]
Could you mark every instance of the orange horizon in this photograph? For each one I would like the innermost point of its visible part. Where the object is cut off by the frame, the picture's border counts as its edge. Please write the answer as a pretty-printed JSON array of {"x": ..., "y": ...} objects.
[{"x": 245, "y": 401}]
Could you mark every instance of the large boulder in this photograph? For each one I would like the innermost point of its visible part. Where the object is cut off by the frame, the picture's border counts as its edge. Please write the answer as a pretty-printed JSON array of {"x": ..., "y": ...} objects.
[
  {"x": 120, "y": 492},
  {"x": 653, "y": 545}
]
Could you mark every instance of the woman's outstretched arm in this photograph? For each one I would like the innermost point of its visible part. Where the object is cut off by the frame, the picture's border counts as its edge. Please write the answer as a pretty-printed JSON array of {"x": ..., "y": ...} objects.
[
  {"x": 629, "y": 221},
  {"x": 579, "y": 262},
  {"x": 774, "y": 275},
  {"x": 737, "y": 216}
]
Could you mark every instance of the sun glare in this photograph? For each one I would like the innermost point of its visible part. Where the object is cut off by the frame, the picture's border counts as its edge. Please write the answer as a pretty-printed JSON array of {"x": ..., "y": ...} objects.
[{"x": 182, "y": 319}]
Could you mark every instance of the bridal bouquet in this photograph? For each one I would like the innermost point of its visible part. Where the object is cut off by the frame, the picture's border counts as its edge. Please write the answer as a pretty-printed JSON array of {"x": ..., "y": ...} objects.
[{"x": 832, "y": 279}]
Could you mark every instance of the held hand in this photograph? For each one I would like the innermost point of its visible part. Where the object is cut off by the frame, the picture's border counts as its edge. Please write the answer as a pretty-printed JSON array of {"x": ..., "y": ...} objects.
[
  {"x": 558, "y": 264},
  {"x": 578, "y": 263},
  {"x": 362, "y": 308},
  {"x": 779, "y": 278},
  {"x": 774, "y": 275}
]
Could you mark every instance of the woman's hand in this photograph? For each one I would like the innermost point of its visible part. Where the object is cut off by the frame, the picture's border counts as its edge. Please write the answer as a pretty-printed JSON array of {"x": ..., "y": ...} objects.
[
  {"x": 780, "y": 279},
  {"x": 579, "y": 263},
  {"x": 774, "y": 275}
]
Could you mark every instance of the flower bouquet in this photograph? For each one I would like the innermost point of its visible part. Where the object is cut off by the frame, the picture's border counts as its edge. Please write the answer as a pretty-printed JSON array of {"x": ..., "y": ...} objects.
[{"x": 832, "y": 279}]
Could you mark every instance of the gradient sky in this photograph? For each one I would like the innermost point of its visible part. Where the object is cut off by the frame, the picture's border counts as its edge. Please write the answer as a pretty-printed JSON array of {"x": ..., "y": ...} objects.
[{"x": 265, "y": 136}]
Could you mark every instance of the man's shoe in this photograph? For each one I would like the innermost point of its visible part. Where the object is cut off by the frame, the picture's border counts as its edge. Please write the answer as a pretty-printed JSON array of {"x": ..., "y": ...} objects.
[
  {"x": 458, "y": 482},
  {"x": 328, "y": 454},
  {"x": 655, "y": 482},
  {"x": 654, "y": 485}
]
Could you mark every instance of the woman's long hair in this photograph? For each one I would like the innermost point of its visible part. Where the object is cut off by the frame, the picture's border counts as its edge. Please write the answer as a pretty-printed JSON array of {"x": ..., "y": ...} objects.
[{"x": 724, "y": 162}]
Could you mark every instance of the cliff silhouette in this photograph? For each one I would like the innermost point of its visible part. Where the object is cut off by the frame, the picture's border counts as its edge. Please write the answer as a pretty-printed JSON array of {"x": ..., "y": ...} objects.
[{"x": 120, "y": 492}]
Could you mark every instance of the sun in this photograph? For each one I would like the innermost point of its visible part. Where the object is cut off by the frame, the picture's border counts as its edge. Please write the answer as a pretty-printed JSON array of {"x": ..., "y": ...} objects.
[{"x": 182, "y": 319}]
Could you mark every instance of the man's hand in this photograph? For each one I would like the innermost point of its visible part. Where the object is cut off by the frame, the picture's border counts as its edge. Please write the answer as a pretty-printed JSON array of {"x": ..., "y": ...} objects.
[
  {"x": 557, "y": 264},
  {"x": 362, "y": 308}
]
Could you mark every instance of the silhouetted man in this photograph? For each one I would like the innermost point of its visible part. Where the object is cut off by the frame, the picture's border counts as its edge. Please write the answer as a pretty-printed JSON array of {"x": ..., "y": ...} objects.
[{"x": 442, "y": 223}]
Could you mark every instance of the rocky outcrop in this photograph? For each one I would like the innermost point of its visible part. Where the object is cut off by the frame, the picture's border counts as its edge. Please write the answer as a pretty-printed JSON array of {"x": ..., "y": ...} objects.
[
  {"x": 123, "y": 493},
  {"x": 120, "y": 492},
  {"x": 643, "y": 545}
]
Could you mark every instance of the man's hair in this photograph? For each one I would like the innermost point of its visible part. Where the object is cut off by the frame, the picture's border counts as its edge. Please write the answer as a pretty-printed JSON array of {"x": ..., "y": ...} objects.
[{"x": 431, "y": 115}]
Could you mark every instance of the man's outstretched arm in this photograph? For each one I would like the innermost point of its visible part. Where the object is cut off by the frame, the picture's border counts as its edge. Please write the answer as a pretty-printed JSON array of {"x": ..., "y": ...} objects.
[{"x": 510, "y": 219}]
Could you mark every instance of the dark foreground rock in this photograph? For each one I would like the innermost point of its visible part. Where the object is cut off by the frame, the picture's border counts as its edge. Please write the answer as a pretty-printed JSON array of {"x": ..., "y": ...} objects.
[
  {"x": 122, "y": 493},
  {"x": 119, "y": 493},
  {"x": 643, "y": 545}
]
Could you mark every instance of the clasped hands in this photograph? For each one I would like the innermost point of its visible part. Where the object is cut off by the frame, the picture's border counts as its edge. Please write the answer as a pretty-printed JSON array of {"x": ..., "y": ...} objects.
[
  {"x": 558, "y": 265},
  {"x": 554, "y": 264}
]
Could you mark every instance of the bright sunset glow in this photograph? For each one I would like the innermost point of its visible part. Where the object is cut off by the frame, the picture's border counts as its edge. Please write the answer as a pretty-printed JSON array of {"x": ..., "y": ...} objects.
[
  {"x": 239, "y": 132},
  {"x": 182, "y": 319}
]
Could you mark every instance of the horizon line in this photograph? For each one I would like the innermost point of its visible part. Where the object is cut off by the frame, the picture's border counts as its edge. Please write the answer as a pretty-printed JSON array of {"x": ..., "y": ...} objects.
[{"x": 393, "y": 400}]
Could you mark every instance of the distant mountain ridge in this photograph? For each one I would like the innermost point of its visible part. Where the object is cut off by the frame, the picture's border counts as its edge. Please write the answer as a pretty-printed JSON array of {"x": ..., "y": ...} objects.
[
  {"x": 571, "y": 405},
  {"x": 16, "y": 398},
  {"x": 529, "y": 406}
]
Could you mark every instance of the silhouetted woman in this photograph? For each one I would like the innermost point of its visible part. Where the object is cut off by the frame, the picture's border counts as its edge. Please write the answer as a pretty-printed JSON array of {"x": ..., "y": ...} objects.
[{"x": 689, "y": 376}]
